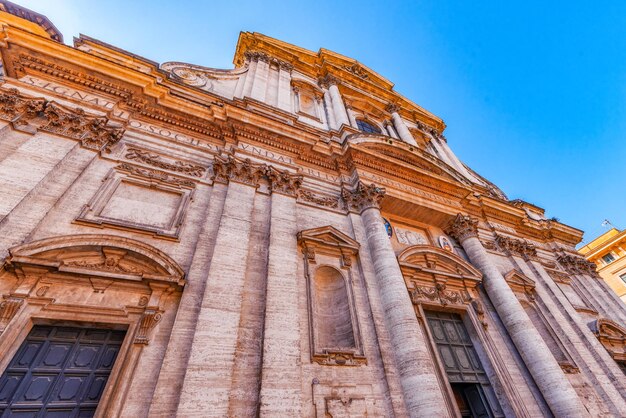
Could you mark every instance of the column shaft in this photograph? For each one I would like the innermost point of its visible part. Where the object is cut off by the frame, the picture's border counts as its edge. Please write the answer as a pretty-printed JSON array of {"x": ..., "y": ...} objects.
[
  {"x": 556, "y": 389},
  {"x": 205, "y": 390},
  {"x": 332, "y": 123},
  {"x": 281, "y": 383},
  {"x": 339, "y": 110},
  {"x": 402, "y": 130},
  {"x": 417, "y": 375}
]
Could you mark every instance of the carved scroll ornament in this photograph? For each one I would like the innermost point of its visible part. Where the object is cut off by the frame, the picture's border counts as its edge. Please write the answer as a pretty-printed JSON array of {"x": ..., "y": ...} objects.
[{"x": 156, "y": 160}]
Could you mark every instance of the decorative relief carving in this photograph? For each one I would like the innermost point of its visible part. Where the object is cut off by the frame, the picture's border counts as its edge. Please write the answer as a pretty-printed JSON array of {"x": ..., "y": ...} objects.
[
  {"x": 319, "y": 199},
  {"x": 156, "y": 160},
  {"x": 576, "y": 264},
  {"x": 569, "y": 368},
  {"x": 155, "y": 175},
  {"x": 357, "y": 70},
  {"x": 438, "y": 293},
  {"x": 516, "y": 246},
  {"x": 462, "y": 227},
  {"x": 192, "y": 77},
  {"x": 92, "y": 131},
  {"x": 340, "y": 359},
  {"x": 480, "y": 312},
  {"x": 362, "y": 197},
  {"x": 8, "y": 308},
  {"x": 110, "y": 263},
  {"x": 149, "y": 319},
  {"x": 410, "y": 237}
]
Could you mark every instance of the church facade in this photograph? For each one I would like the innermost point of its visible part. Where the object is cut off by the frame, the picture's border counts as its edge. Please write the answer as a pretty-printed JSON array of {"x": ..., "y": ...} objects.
[{"x": 288, "y": 238}]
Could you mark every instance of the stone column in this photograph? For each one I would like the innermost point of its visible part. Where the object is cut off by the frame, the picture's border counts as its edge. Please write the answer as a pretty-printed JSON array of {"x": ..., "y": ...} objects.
[
  {"x": 338, "y": 107},
  {"x": 281, "y": 380},
  {"x": 261, "y": 77},
  {"x": 284, "y": 86},
  {"x": 400, "y": 126},
  {"x": 552, "y": 382},
  {"x": 419, "y": 382},
  {"x": 351, "y": 116},
  {"x": 328, "y": 107},
  {"x": 209, "y": 371},
  {"x": 390, "y": 131}
]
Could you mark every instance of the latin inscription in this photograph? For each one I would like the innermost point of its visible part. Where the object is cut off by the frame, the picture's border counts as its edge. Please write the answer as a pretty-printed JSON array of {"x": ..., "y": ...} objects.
[
  {"x": 68, "y": 92},
  {"x": 384, "y": 181}
]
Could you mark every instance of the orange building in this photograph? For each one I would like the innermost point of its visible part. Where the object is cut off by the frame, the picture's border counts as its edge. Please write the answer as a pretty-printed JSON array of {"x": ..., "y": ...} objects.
[{"x": 608, "y": 252}]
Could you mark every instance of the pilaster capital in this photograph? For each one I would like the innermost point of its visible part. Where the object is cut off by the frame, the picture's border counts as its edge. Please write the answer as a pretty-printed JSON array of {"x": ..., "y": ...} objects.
[
  {"x": 255, "y": 56},
  {"x": 283, "y": 182},
  {"x": 363, "y": 197},
  {"x": 517, "y": 246},
  {"x": 328, "y": 80},
  {"x": 462, "y": 227},
  {"x": 576, "y": 264},
  {"x": 228, "y": 168}
]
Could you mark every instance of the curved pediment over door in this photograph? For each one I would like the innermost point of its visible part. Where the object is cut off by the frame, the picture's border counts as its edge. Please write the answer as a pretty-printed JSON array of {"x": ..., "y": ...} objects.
[
  {"x": 97, "y": 255},
  {"x": 434, "y": 275}
]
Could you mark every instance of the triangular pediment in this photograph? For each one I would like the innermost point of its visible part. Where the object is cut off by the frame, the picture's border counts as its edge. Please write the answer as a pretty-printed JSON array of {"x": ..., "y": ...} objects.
[
  {"x": 97, "y": 255},
  {"x": 516, "y": 279},
  {"x": 329, "y": 236},
  {"x": 426, "y": 258},
  {"x": 610, "y": 329}
]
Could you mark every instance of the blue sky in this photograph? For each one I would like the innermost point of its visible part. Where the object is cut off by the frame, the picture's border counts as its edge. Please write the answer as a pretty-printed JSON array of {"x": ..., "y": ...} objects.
[{"x": 533, "y": 92}]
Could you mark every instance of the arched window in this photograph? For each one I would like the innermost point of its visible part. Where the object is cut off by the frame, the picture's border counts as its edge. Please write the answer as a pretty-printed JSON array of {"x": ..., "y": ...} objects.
[
  {"x": 367, "y": 127},
  {"x": 333, "y": 319}
]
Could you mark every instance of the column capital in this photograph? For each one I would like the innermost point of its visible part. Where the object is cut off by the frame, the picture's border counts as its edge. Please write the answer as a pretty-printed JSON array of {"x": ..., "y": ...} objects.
[
  {"x": 283, "y": 182},
  {"x": 392, "y": 108},
  {"x": 228, "y": 168},
  {"x": 462, "y": 227},
  {"x": 328, "y": 80},
  {"x": 363, "y": 197}
]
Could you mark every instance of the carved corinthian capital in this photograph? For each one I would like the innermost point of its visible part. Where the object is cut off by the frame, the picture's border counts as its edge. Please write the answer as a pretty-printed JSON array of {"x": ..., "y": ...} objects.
[
  {"x": 512, "y": 245},
  {"x": 283, "y": 182},
  {"x": 327, "y": 81},
  {"x": 462, "y": 227},
  {"x": 228, "y": 168},
  {"x": 15, "y": 107},
  {"x": 363, "y": 197},
  {"x": 92, "y": 131},
  {"x": 577, "y": 265},
  {"x": 392, "y": 108}
]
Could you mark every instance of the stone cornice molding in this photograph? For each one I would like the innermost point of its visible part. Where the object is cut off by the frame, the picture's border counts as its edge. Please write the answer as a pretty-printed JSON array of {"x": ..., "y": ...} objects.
[
  {"x": 516, "y": 246},
  {"x": 462, "y": 227},
  {"x": 31, "y": 114},
  {"x": 362, "y": 197}
]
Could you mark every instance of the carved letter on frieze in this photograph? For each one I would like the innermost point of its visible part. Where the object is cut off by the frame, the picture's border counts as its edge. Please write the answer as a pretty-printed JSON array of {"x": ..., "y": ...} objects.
[
  {"x": 149, "y": 319},
  {"x": 8, "y": 308},
  {"x": 363, "y": 197},
  {"x": 462, "y": 227}
]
